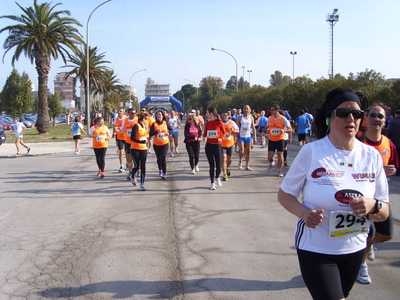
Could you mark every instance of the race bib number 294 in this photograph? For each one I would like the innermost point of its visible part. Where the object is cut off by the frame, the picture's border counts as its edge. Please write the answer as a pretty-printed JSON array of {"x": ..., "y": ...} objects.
[{"x": 345, "y": 223}]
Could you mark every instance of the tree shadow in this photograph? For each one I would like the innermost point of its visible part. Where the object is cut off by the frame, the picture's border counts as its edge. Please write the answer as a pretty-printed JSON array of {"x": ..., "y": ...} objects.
[{"x": 171, "y": 289}]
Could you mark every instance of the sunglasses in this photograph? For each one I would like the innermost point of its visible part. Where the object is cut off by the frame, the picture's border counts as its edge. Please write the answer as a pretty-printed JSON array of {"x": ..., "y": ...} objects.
[
  {"x": 374, "y": 115},
  {"x": 344, "y": 113},
  {"x": 224, "y": 115}
]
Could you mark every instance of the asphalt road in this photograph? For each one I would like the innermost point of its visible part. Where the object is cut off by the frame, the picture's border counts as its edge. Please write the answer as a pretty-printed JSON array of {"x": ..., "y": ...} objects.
[{"x": 66, "y": 234}]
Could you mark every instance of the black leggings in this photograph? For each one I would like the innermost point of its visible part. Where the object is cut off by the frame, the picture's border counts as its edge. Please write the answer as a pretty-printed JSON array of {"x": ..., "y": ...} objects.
[
  {"x": 139, "y": 158},
  {"x": 213, "y": 153},
  {"x": 193, "y": 149},
  {"x": 161, "y": 153},
  {"x": 329, "y": 277},
  {"x": 100, "y": 157}
]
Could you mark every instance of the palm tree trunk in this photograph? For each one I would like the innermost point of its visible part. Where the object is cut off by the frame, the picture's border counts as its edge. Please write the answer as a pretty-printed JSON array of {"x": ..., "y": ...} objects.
[{"x": 42, "y": 61}]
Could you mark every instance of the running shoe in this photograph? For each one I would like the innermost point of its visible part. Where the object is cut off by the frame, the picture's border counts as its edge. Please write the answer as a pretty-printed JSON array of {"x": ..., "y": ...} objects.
[
  {"x": 172, "y": 154},
  {"x": 102, "y": 175},
  {"x": 121, "y": 169},
  {"x": 240, "y": 166},
  {"x": 142, "y": 188},
  {"x": 228, "y": 172},
  {"x": 134, "y": 181},
  {"x": 197, "y": 168},
  {"x": 212, "y": 186},
  {"x": 270, "y": 168},
  {"x": 264, "y": 145},
  {"x": 218, "y": 181},
  {"x": 371, "y": 254},
  {"x": 163, "y": 176},
  {"x": 363, "y": 276},
  {"x": 18, "y": 153},
  {"x": 248, "y": 168},
  {"x": 129, "y": 177},
  {"x": 225, "y": 177},
  {"x": 149, "y": 151},
  {"x": 76, "y": 152},
  {"x": 160, "y": 173},
  {"x": 28, "y": 150},
  {"x": 285, "y": 163},
  {"x": 193, "y": 171},
  {"x": 176, "y": 150},
  {"x": 280, "y": 174},
  {"x": 98, "y": 173}
]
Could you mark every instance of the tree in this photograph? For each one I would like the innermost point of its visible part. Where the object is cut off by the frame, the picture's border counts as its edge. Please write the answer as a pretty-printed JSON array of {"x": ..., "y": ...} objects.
[
  {"x": 277, "y": 79},
  {"x": 55, "y": 107},
  {"x": 231, "y": 84},
  {"x": 17, "y": 94},
  {"x": 210, "y": 89},
  {"x": 41, "y": 34}
]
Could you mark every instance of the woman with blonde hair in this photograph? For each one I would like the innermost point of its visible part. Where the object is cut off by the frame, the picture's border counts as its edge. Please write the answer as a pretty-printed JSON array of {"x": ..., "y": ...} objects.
[{"x": 192, "y": 141}]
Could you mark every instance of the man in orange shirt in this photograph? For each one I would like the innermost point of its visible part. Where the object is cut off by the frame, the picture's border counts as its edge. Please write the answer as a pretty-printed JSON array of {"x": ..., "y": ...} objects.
[
  {"x": 126, "y": 127},
  {"x": 227, "y": 144},
  {"x": 120, "y": 137}
]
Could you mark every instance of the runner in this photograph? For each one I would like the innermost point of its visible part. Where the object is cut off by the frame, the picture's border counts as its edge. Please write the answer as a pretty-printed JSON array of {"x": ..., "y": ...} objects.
[
  {"x": 227, "y": 144},
  {"x": 19, "y": 128},
  {"x": 192, "y": 141},
  {"x": 161, "y": 130},
  {"x": 150, "y": 121},
  {"x": 101, "y": 135},
  {"x": 277, "y": 126},
  {"x": 247, "y": 128},
  {"x": 382, "y": 231},
  {"x": 200, "y": 119},
  {"x": 126, "y": 127},
  {"x": 139, "y": 137},
  {"x": 175, "y": 123},
  {"x": 262, "y": 123},
  {"x": 120, "y": 137},
  {"x": 302, "y": 123},
  {"x": 76, "y": 128},
  {"x": 214, "y": 131}
]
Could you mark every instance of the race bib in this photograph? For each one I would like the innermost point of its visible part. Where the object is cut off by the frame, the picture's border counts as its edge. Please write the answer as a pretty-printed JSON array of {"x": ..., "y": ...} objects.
[
  {"x": 345, "y": 223},
  {"x": 100, "y": 138},
  {"x": 276, "y": 131},
  {"x": 212, "y": 134},
  {"x": 227, "y": 136},
  {"x": 245, "y": 129},
  {"x": 162, "y": 136}
]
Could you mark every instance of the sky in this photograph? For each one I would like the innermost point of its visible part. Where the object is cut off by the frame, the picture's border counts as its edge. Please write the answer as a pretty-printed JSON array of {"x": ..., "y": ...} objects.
[{"x": 172, "y": 39}]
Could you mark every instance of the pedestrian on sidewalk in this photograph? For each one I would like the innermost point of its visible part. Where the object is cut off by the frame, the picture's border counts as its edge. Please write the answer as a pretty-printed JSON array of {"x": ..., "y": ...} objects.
[
  {"x": 19, "y": 128},
  {"x": 76, "y": 128}
]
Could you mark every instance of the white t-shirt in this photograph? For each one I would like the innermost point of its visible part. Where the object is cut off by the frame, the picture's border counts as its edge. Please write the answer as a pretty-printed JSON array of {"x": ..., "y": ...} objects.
[
  {"x": 246, "y": 126},
  {"x": 174, "y": 123},
  {"x": 327, "y": 177},
  {"x": 18, "y": 127}
]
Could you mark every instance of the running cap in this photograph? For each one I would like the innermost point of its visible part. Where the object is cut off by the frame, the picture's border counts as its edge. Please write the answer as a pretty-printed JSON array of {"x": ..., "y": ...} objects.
[
  {"x": 339, "y": 99},
  {"x": 193, "y": 111}
]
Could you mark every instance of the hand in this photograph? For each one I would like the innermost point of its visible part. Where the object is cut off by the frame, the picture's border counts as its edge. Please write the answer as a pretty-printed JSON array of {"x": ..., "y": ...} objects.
[
  {"x": 362, "y": 205},
  {"x": 389, "y": 170},
  {"x": 314, "y": 218}
]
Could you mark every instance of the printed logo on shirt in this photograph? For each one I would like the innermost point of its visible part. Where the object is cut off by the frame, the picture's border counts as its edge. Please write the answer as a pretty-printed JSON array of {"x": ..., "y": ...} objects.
[
  {"x": 343, "y": 196},
  {"x": 322, "y": 172},
  {"x": 359, "y": 177}
]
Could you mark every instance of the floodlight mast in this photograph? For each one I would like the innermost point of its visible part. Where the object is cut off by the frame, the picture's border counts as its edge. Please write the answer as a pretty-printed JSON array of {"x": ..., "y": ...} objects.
[{"x": 332, "y": 19}]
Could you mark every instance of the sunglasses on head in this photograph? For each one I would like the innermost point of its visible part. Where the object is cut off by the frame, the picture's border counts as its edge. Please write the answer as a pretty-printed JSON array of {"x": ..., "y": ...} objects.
[
  {"x": 344, "y": 113},
  {"x": 374, "y": 115}
]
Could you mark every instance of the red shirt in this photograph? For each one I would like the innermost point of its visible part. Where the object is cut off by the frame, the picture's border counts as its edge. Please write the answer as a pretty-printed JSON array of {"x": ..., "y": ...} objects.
[{"x": 213, "y": 131}]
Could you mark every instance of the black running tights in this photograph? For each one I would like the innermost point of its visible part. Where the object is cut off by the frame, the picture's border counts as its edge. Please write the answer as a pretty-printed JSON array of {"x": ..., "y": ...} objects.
[
  {"x": 213, "y": 153},
  {"x": 100, "y": 157},
  {"x": 193, "y": 150}
]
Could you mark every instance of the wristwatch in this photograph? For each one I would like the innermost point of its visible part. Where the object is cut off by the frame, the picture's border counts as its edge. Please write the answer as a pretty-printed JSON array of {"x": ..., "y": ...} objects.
[{"x": 378, "y": 207}]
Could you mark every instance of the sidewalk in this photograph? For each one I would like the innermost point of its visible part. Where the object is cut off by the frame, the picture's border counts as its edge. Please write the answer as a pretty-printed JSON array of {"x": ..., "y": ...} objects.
[{"x": 9, "y": 150}]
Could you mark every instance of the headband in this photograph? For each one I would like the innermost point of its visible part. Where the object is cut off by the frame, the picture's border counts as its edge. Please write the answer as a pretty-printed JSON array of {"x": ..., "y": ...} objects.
[{"x": 339, "y": 99}]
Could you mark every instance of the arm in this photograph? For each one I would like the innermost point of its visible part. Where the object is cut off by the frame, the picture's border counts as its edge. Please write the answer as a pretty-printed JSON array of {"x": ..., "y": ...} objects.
[
  {"x": 152, "y": 130},
  {"x": 312, "y": 217},
  {"x": 254, "y": 131}
]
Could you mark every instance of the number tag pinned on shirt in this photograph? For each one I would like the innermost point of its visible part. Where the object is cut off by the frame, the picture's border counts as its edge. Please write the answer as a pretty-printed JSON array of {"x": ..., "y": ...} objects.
[
  {"x": 345, "y": 223},
  {"x": 212, "y": 134}
]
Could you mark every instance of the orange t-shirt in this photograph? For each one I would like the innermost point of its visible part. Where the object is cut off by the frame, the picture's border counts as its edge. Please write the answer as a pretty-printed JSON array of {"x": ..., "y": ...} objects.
[
  {"x": 128, "y": 125},
  {"x": 100, "y": 141},
  {"x": 142, "y": 135},
  {"x": 276, "y": 129},
  {"x": 162, "y": 137},
  {"x": 117, "y": 128},
  {"x": 229, "y": 137}
]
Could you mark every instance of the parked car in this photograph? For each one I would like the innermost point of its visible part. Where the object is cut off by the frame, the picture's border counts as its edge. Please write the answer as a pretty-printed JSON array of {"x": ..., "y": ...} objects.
[
  {"x": 2, "y": 135},
  {"x": 6, "y": 126},
  {"x": 28, "y": 123}
]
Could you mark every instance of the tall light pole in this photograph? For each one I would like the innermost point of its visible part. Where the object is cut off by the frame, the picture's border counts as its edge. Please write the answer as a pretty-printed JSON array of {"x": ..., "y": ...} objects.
[
  {"x": 237, "y": 80},
  {"x": 130, "y": 82},
  {"x": 332, "y": 19},
  {"x": 249, "y": 71},
  {"x": 293, "y": 54},
  {"x": 87, "y": 68},
  {"x": 197, "y": 88},
  {"x": 243, "y": 78}
]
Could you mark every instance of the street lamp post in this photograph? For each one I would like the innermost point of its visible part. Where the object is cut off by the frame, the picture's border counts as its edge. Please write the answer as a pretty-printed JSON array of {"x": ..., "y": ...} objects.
[
  {"x": 197, "y": 89},
  {"x": 243, "y": 78},
  {"x": 249, "y": 71},
  {"x": 332, "y": 19},
  {"x": 237, "y": 86},
  {"x": 293, "y": 54},
  {"x": 87, "y": 68},
  {"x": 130, "y": 81}
]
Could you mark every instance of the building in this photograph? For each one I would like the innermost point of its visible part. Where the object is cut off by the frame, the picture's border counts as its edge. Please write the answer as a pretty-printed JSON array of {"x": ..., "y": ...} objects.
[
  {"x": 154, "y": 89},
  {"x": 64, "y": 86}
]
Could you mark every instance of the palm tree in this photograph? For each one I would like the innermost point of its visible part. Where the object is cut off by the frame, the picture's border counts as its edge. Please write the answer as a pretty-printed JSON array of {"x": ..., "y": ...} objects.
[{"x": 42, "y": 34}]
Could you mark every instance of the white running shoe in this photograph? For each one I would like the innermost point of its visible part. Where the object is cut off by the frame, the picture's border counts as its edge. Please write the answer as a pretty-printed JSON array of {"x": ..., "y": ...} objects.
[
  {"x": 172, "y": 154},
  {"x": 197, "y": 168},
  {"x": 142, "y": 188},
  {"x": 160, "y": 173},
  {"x": 134, "y": 181},
  {"x": 240, "y": 166},
  {"x": 371, "y": 253},
  {"x": 78, "y": 152},
  {"x": 164, "y": 176},
  {"x": 193, "y": 171},
  {"x": 280, "y": 174},
  {"x": 121, "y": 169},
  {"x": 363, "y": 276},
  {"x": 248, "y": 168},
  {"x": 176, "y": 150},
  {"x": 270, "y": 168},
  {"x": 212, "y": 186},
  {"x": 218, "y": 181}
]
